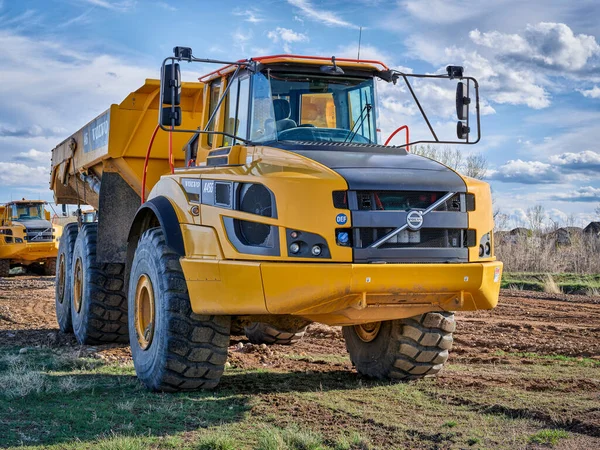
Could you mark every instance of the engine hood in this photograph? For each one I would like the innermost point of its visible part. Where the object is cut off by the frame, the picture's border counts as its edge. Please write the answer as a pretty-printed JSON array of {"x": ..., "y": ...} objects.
[
  {"x": 382, "y": 168},
  {"x": 34, "y": 224}
]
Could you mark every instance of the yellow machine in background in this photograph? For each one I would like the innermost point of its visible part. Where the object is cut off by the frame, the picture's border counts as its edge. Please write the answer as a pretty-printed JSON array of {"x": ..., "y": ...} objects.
[
  {"x": 268, "y": 203},
  {"x": 27, "y": 237}
]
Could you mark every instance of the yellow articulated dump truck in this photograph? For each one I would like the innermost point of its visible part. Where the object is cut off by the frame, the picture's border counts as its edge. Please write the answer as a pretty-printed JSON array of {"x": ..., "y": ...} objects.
[
  {"x": 27, "y": 237},
  {"x": 260, "y": 199}
]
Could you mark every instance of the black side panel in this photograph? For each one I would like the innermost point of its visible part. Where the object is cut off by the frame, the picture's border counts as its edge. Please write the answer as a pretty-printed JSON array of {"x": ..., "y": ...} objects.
[
  {"x": 167, "y": 217},
  {"x": 118, "y": 205}
]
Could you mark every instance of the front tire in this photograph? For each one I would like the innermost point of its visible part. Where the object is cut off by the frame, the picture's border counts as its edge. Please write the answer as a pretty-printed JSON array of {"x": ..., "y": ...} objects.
[
  {"x": 50, "y": 267},
  {"x": 99, "y": 305},
  {"x": 403, "y": 349},
  {"x": 4, "y": 267},
  {"x": 63, "y": 291},
  {"x": 264, "y": 333},
  {"x": 173, "y": 348}
]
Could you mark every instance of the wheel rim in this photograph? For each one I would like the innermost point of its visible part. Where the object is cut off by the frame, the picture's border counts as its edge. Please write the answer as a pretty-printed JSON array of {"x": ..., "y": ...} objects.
[
  {"x": 78, "y": 286},
  {"x": 367, "y": 331},
  {"x": 144, "y": 311},
  {"x": 61, "y": 279}
]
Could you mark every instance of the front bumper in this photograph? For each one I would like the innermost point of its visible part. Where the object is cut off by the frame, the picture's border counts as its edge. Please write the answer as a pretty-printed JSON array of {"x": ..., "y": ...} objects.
[
  {"x": 339, "y": 294},
  {"x": 29, "y": 252}
]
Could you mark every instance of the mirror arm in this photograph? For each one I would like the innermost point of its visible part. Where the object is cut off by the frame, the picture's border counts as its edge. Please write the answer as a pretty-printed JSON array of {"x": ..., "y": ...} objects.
[{"x": 419, "y": 105}]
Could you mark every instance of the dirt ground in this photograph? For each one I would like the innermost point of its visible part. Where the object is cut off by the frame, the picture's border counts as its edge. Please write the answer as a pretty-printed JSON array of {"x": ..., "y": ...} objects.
[
  {"x": 526, "y": 327},
  {"x": 524, "y": 321}
]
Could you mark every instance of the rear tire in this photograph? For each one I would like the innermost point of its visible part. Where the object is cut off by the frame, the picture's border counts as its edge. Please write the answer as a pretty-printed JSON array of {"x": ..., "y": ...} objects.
[
  {"x": 99, "y": 304},
  {"x": 264, "y": 333},
  {"x": 4, "y": 267},
  {"x": 63, "y": 291},
  {"x": 404, "y": 349},
  {"x": 173, "y": 348},
  {"x": 50, "y": 267}
]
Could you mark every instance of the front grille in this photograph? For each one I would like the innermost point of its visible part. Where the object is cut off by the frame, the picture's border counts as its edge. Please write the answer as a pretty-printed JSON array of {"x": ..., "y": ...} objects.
[
  {"x": 424, "y": 238},
  {"x": 443, "y": 235},
  {"x": 404, "y": 201},
  {"x": 39, "y": 235},
  {"x": 399, "y": 200}
]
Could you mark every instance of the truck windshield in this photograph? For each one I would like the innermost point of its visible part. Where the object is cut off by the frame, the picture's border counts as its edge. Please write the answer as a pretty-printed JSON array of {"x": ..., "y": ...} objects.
[
  {"x": 27, "y": 211},
  {"x": 312, "y": 107}
]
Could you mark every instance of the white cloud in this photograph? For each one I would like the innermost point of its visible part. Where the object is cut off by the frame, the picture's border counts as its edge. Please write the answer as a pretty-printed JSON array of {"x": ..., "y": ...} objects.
[
  {"x": 242, "y": 38},
  {"x": 582, "y": 162},
  {"x": 525, "y": 172},
  {"x": 323, "y": 16},
  {"x": 33, "y": 155},
  {"x": 120, "y": 6},
  {"x": 287, "y": 37},
  {"x": 440, "y": 11},
  {"x": 499, "y": 82},
  {"x": 82, "y": 84},
  {"x": 250, "y": 15},
  {"x": 18, "y": 174},
  {"x": 546, "y": 44},
  {"x": 590, "y": 93},
  {"x": 583, "y": 194},
  {"x": 167, "y": 6}
]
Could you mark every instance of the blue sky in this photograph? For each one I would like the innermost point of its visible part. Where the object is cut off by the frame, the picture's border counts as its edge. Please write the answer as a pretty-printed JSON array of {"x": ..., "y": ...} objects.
[{"x": 538, "y": 63}]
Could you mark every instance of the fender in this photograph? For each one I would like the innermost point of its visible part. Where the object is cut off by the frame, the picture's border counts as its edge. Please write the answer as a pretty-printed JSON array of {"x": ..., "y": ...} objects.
[{"x": 158, "y": 209}]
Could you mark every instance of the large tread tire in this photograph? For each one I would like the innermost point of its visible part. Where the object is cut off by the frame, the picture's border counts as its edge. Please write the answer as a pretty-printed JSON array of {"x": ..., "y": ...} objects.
[
  {"x": 63, "y": 291},
  {"x": 404, "y": 349},
  {"x": 186, "y": 351},
  {"x": 102, "y": 317},
  {"x": 264, "y": 333},
  {"x": 50, "y": 267},
  {"x": 4, "y": 267}
]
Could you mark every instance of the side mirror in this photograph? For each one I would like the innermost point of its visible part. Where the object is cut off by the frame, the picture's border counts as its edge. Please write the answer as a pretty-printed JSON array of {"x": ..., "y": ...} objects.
[
  {"x": 171, "y": 83},
  {"x": 462, "y": 130},
  {"x": 462, "y": 101},
  {"x": 170, "y": 118}
]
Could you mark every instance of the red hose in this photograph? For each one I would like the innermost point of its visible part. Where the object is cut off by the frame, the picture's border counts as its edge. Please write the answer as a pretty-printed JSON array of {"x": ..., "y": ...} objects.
[
  {"x": 146, "y": 164},
  {"x": 394, "y": 134}
]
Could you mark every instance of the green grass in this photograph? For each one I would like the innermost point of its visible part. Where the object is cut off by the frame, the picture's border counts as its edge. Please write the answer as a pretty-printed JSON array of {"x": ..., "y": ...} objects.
[
  {"x": 548, "y": 437},
  {"x": 568, "y": 282},
  {"x": 71, "y": 403}
]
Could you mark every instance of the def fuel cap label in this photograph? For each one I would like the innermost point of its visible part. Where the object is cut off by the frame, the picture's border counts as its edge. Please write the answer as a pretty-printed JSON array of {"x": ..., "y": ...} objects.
[{"x": 341, "y": 219}]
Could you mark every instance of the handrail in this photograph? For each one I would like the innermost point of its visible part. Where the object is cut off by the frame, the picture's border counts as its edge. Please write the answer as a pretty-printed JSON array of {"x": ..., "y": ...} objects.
[{"x": 403, "y": 127}]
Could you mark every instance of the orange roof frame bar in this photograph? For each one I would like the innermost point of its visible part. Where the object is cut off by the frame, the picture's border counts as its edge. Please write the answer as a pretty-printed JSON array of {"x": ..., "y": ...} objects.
[{"x": 228, "y": 68}]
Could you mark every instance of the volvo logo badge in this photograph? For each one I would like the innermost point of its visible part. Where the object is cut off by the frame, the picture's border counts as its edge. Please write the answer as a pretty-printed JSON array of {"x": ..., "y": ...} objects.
[{"x": 414, "y": 220}]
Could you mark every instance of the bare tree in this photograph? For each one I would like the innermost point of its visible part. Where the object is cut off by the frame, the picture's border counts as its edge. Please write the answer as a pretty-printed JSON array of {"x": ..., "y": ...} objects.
[
  {"x": 535, "y": 216},
  {"x": 474, "y": 165},
  {"x": 598, "y": 211}
]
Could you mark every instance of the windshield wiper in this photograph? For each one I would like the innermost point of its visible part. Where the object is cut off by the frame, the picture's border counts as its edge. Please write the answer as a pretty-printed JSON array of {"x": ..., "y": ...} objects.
[{"x": 365, "y": 113}]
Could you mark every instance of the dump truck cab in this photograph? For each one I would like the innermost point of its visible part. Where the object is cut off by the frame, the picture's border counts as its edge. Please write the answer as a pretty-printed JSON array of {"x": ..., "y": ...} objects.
[
  {"x": 263, "y": 200},
  {"x": 27, "y": 236}
]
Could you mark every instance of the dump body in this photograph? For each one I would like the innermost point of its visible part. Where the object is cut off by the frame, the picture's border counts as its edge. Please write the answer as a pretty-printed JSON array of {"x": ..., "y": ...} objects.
[{"x": 116, "y": 141}]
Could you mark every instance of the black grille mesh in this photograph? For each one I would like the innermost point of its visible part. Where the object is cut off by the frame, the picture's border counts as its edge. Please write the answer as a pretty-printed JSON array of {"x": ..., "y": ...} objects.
[{"x": 424, "y": 238}]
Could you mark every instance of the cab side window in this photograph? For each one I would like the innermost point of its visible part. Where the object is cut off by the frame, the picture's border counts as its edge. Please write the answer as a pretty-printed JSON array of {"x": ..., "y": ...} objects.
[
  {"x": 215, "y": 89},
  {"x": 236, "y": 110}
]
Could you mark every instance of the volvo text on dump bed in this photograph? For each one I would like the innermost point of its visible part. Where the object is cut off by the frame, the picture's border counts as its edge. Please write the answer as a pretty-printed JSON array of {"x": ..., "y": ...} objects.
[{"x": 264, "y": 200}]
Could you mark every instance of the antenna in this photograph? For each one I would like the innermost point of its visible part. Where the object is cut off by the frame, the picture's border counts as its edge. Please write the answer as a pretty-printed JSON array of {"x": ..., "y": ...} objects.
[{"x": 359, "y": 37}]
